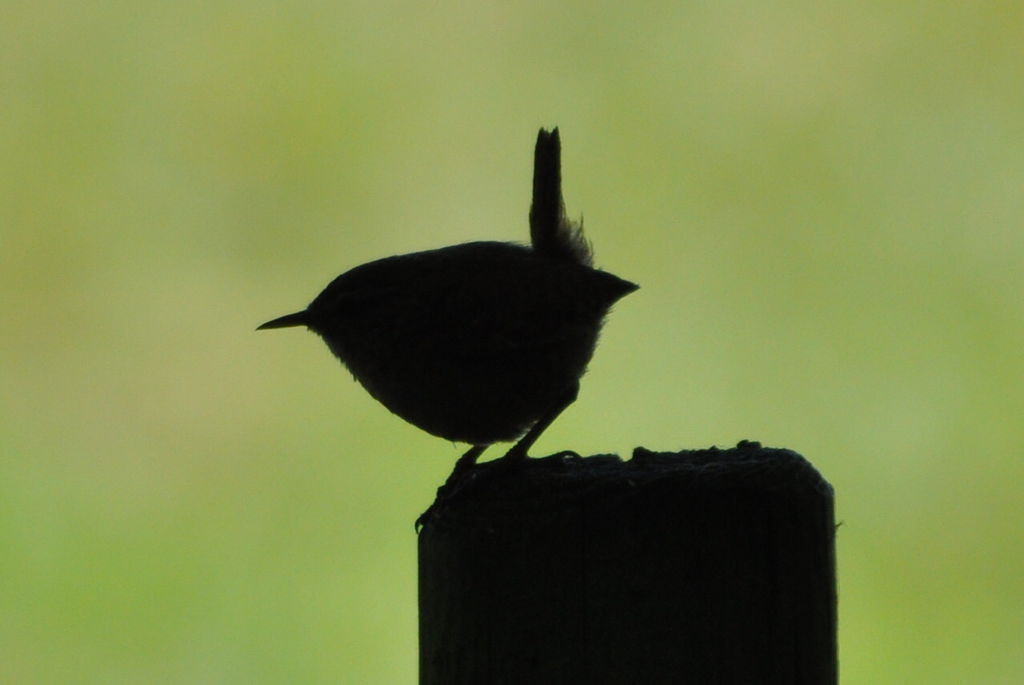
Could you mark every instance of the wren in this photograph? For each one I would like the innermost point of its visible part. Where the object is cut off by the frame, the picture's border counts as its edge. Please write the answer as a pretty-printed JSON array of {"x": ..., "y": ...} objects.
[{"x": 481, "y": 342}]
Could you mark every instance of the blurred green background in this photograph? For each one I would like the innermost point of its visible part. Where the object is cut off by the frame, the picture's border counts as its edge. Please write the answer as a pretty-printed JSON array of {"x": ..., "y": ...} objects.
[{"x": 822, "y": 202}]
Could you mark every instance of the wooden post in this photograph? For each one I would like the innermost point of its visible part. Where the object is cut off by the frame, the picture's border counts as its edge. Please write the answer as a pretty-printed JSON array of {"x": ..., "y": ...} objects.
[{"x": 704, "y": 567}]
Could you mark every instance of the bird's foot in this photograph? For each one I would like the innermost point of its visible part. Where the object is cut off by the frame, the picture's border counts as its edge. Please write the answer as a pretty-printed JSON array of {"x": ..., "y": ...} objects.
[
  {"x": 460, "y": 475},
  {"x": 468, "y": 476},
  {"x": 564, "y": 457}
]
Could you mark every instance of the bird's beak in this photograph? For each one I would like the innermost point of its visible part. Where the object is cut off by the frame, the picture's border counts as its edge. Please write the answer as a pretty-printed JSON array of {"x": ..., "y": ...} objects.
[{"x": 287, "y": 321}]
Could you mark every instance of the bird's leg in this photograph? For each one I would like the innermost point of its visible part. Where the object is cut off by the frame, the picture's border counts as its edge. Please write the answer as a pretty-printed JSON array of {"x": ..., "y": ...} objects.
[
  {"x": 452, "y": 485},
  {"x": 460, "y": 480},
  {"x": 520, "y": 449},
  {"x": 463, "y": 465}
]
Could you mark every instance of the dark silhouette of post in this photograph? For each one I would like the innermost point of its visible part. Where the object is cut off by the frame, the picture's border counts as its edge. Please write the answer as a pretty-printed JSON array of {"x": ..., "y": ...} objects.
[{"x": 703, "y": 567}]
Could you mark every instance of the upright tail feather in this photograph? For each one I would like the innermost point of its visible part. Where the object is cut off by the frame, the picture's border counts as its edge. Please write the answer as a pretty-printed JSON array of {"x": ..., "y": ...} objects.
[{"x": 551, "y": 233}]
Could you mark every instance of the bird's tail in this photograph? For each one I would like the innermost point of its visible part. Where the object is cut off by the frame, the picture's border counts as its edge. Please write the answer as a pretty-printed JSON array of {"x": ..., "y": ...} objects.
[{"x": 551, "y": 233}]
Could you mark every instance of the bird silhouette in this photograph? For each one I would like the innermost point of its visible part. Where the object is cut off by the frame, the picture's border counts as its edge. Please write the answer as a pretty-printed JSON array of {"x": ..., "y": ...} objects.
[{"x": 480, "y": 342}]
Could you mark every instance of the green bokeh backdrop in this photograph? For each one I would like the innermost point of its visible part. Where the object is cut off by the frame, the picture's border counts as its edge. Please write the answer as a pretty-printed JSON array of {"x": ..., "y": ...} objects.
[{"x": 822, "y": 202}]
